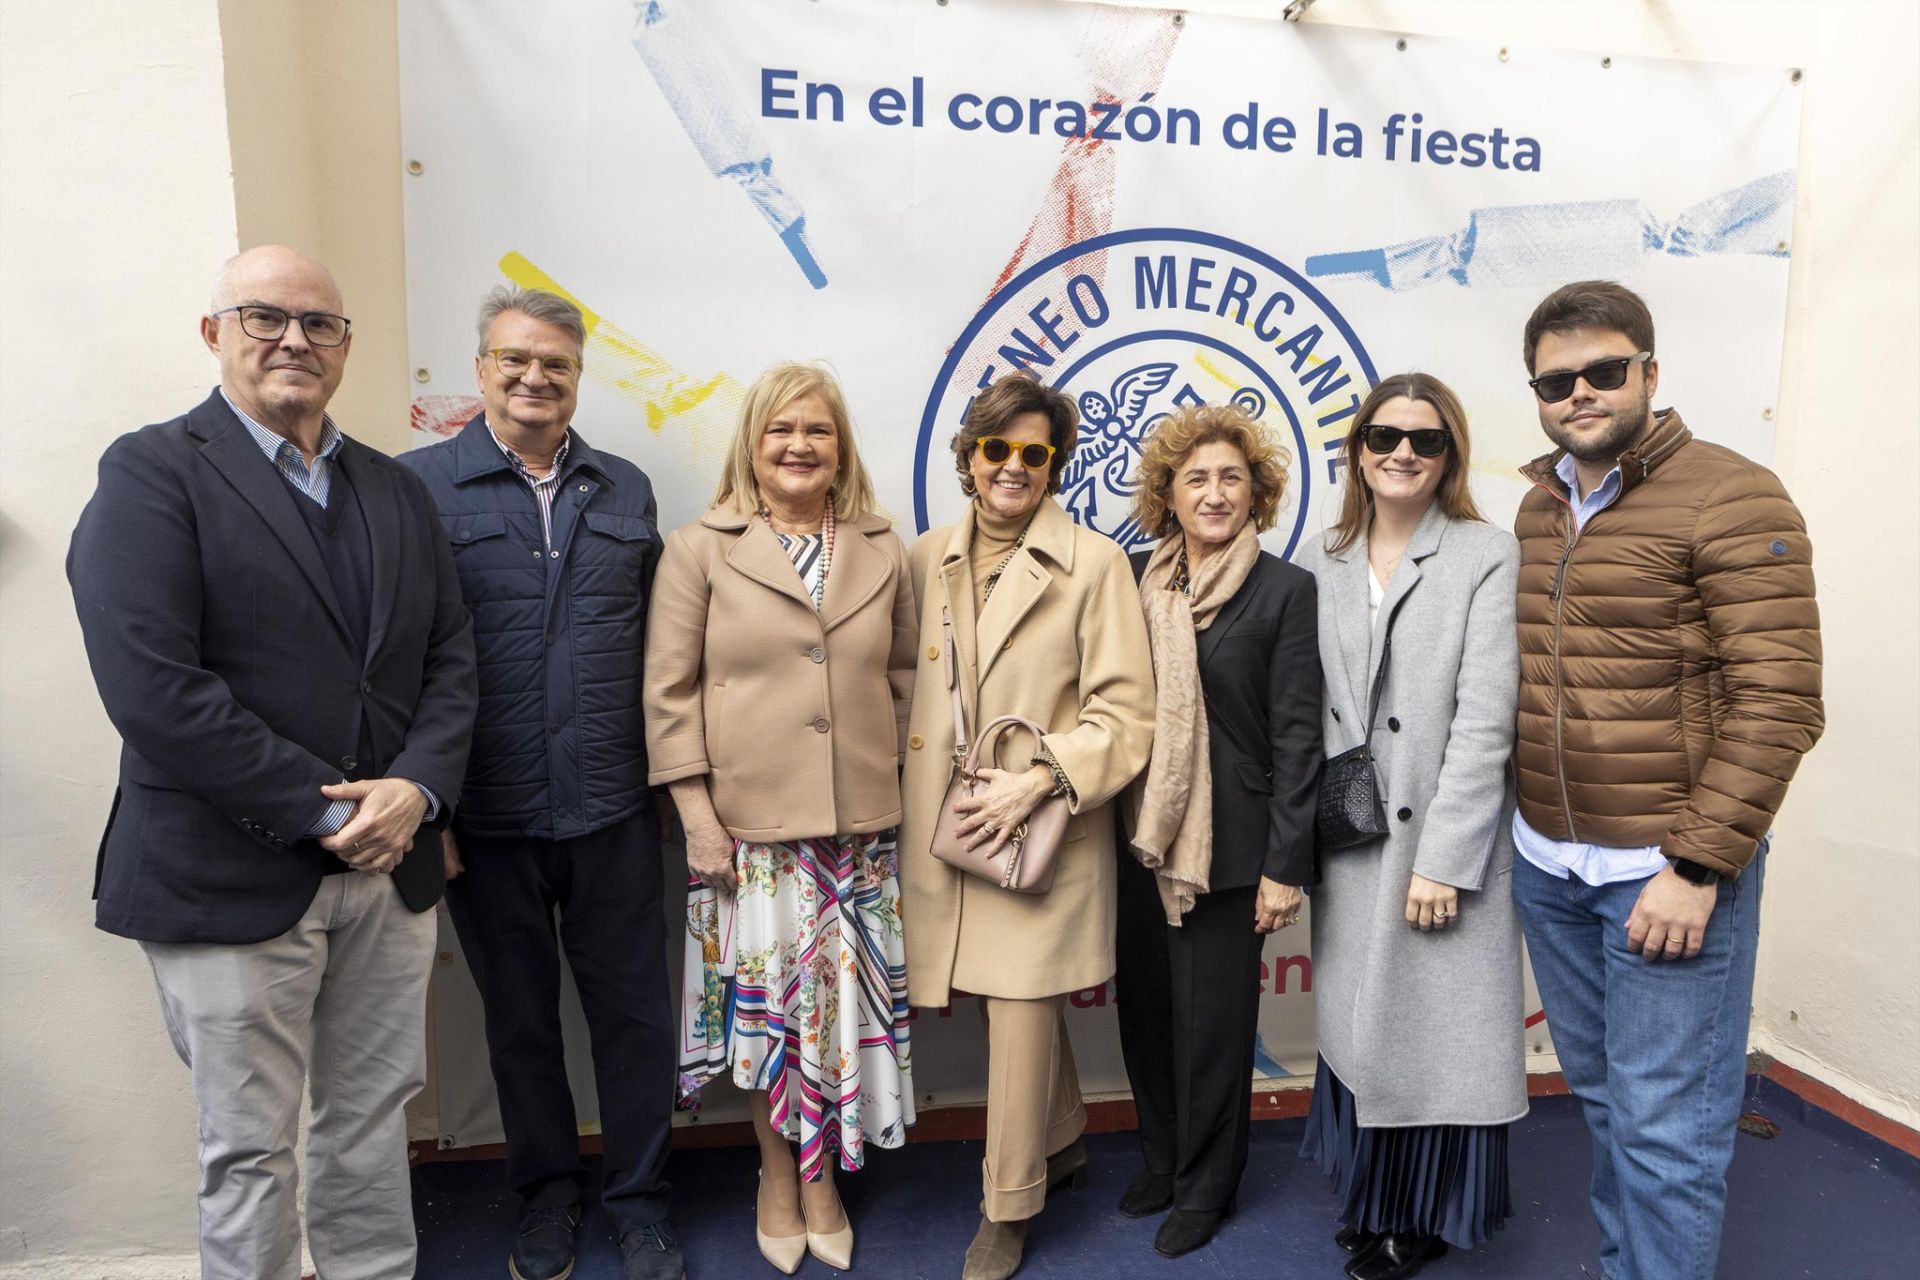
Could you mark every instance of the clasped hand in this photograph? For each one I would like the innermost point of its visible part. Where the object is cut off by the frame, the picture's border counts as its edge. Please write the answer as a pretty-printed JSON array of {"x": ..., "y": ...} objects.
[
  {"x": 379, "y": 831},
  {"x": 999, "y": 803}
]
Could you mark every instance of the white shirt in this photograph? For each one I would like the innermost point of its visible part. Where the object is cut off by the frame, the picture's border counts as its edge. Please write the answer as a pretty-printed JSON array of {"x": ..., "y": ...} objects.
[{"x": 1591, "y": 863}]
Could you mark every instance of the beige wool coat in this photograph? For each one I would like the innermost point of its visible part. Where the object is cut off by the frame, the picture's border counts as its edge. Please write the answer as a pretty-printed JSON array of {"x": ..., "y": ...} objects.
[
  {"x": 794, "y": 715},
  {"x": 1061, "y": 642}
]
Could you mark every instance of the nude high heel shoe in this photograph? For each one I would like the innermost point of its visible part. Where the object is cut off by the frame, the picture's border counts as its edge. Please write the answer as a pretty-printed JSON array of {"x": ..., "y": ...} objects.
[
  {"x": 833, "y": 1248},
  {"x": 784, "y": 1252}
]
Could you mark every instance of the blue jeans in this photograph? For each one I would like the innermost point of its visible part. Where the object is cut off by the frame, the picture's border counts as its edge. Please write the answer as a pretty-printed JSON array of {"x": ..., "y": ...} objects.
[{"x": 1656, "y": 1053}]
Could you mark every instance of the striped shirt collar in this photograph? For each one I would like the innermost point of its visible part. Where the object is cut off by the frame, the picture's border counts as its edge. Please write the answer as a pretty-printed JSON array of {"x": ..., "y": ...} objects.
[
  {"x": 519, "y": 465},
  {"x": 285, "y": 455},
  {"x": 544, "y": 487}
]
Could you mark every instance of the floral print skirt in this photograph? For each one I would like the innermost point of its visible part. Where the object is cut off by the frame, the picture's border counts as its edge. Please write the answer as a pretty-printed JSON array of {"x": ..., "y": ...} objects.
[{"x": 797, "y": 986}]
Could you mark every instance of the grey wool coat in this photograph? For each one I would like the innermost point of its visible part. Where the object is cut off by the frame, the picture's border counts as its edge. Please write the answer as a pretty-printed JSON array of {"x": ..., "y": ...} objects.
[{"x": 1424, "y": 1028}]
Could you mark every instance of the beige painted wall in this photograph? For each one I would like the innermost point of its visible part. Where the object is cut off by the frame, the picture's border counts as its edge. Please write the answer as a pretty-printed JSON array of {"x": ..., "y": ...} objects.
[
  {"x": 313, "y": 97},
  {"x": 120, "y": 192}
]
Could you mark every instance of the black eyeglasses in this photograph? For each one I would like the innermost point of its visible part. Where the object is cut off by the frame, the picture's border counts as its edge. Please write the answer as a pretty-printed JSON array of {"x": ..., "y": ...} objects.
[
  {"x": 1428, "y": 442},
  {"x": 1032, "y": 456},
  {"x": 323, "y": 328},
  {"x": 1601, "y": 375}
]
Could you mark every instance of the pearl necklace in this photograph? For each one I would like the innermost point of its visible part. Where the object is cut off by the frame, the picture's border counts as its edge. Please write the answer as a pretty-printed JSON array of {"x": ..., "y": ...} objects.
[{"x": 826, "y": 546}]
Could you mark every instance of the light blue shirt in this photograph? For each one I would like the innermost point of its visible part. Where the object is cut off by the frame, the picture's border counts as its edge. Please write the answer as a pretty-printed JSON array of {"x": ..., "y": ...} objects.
[
  {"x": 1591, "y": 863},
  {"x": 315, "y": 481}
]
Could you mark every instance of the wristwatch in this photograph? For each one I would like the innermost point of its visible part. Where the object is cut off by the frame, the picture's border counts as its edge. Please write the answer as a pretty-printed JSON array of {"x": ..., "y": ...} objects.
[{"x": 1694, "y": 872}]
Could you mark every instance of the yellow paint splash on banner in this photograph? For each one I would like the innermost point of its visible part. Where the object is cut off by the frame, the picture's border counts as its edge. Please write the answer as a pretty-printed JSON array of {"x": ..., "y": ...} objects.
[{"x": 701, "y": 411}]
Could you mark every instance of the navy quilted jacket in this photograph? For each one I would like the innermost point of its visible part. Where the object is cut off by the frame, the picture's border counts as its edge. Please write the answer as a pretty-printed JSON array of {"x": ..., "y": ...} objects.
[{"x": 559, "y": 745}]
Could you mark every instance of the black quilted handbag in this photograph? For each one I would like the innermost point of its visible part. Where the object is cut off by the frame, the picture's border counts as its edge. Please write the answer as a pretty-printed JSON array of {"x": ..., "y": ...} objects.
[{"x": 1350, "y": 810}]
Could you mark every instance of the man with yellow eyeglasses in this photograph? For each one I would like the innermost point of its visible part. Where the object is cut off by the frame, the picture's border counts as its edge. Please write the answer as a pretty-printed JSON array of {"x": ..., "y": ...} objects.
[{"x": 555, "y": 543}]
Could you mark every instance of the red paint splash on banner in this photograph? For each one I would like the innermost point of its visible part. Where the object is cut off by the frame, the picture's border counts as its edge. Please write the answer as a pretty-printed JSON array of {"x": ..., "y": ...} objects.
[
  {"x": 442, "y": 415},
  {"x": 1123, "y": 56}
]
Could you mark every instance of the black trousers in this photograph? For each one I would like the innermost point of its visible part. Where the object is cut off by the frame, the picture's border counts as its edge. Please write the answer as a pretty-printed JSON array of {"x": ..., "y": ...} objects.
[
  {"x": 608, "y": 888},
  {"x": 1188, "y": 1001}
]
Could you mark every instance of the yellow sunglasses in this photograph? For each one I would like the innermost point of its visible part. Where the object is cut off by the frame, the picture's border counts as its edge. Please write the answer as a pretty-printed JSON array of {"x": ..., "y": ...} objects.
[{"x": 1032, "y": 456}]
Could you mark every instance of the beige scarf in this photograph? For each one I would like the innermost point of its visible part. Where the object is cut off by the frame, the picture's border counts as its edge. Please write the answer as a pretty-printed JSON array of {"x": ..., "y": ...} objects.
[{"x": 1171, "y": 805}]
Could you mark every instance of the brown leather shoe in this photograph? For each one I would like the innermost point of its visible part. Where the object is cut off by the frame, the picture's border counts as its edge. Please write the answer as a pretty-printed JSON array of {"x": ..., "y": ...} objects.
[{"x": 995, "y": 1251}]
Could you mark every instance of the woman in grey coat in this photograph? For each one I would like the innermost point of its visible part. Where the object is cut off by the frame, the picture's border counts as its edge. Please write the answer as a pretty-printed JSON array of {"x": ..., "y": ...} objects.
[{"x": 1416, "y": 947}]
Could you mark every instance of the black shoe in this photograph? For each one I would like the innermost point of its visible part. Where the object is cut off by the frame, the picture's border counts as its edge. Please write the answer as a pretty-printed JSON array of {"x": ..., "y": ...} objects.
[
  {"x": 1353, "y": 1240},
  {"x": 543, "y": 1247},
  {"x": 1397, "y": 1257},
  {"x": 1187, "y": 1229},
  {"x": 1147, "y": 1194},
  {"x": 652, "y": 1253},
  {"x": 1069, "y": 1166}
]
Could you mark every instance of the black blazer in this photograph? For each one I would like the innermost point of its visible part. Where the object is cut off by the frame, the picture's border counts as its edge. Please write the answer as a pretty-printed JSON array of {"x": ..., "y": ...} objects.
[
  {"x": 222, "y": 656},
  {"x": 1260, "y": 672}
]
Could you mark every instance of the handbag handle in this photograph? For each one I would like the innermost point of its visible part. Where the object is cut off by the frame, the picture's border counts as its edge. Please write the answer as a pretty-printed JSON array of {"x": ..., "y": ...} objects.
[
  {"x": 952, "y": 665},
  {"x": 966, "y": 759},
  {"x": 1380, "y": 676},
  {"x": 997, "y": 729}
]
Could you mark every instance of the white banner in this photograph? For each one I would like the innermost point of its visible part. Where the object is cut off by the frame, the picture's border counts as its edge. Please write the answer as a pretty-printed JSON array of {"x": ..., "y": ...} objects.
[{"x": 1144, "y": 207}]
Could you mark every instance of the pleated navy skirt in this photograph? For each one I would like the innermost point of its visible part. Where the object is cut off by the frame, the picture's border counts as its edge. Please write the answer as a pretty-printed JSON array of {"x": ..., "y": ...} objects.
[{"x": 1447, "y": 1180}]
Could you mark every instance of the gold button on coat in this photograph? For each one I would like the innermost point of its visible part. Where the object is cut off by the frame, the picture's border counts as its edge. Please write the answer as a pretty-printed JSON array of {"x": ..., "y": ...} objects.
[
  {"x": 916, "y": 742},
  {"x": 933, "y": 651}
]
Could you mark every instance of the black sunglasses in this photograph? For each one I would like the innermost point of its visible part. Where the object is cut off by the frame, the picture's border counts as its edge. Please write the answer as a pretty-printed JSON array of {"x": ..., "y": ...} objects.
[
  {"x": 1428, "y": 442},
  {"x": 1601, "y": 375}
]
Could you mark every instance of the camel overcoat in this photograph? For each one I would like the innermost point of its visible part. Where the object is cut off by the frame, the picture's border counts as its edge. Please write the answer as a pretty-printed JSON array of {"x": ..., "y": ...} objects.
[
  {"x": 1424, "y": 1028},
  {"x": 793, "y": 715},
  {"x": 1063, "y": 643}
]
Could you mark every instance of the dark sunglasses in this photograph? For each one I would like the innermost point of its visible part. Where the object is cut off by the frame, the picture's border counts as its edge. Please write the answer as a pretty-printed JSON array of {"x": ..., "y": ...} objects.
[
  {"x": 1032, "y": 456},
  {"x": 1428, "y": 442},
  {"x": 1601, "y": 375}
]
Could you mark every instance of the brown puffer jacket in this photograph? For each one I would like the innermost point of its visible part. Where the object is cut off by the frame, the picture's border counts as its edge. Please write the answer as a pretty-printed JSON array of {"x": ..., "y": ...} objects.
[{"x": 1669, "y": 653}]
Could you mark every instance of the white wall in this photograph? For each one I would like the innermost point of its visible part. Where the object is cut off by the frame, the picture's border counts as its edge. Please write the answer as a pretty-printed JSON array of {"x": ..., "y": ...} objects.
[
  {"x": 117, "y": 202},
  {"x": 115, "y": 207}
]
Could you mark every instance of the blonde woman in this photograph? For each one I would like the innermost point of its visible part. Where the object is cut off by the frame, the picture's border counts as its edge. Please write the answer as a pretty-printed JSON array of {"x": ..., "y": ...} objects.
[
  {"x": 780, "y": 660},
  {"x": 1221, "y": 826}
]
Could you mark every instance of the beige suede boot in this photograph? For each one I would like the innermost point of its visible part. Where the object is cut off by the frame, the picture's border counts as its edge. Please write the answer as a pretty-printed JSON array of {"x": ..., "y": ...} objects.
[{"x": 995, "y": 1251}]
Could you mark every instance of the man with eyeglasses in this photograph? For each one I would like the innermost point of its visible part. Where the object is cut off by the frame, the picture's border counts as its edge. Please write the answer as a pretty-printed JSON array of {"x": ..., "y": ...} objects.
[
  {"x": 1670, "y": 683},
  {"x": 276, "y": 630},
  {"x": 556, "y": 543}
]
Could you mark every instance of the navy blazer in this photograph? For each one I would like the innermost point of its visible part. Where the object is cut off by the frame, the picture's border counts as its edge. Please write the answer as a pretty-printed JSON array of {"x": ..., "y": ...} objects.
[
  {"x": 223, "y": 658},
  {"x": 1260, "y": 674}
]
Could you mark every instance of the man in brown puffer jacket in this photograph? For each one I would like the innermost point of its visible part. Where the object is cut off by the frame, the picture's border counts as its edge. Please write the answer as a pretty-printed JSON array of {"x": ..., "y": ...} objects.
[{"x": 1669, "y": 684}]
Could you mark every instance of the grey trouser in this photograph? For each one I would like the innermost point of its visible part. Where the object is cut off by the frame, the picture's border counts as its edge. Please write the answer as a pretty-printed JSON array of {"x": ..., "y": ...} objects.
[{"x": 339, "y": 998}]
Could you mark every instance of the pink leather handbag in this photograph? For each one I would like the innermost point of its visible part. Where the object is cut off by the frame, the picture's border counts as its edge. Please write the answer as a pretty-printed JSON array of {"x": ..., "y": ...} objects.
[{"x": 1024, "y": 864}]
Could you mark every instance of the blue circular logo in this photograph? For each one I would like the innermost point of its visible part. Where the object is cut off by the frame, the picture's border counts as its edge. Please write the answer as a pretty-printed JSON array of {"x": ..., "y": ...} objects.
[{"x": 1135, "y": 325}]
